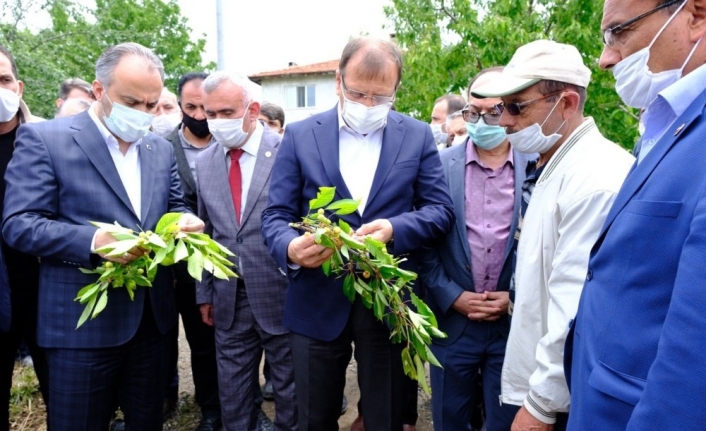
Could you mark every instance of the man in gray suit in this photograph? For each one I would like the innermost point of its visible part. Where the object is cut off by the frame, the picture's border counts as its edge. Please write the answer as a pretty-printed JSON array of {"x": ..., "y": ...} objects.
[
  {"x": 233, "y": 183},
  {"x": 468, "y": 274}
]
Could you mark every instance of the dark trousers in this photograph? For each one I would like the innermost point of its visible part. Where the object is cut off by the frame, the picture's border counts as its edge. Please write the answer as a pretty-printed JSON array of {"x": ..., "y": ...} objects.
[
  {"x": 481, "y": 346},
  {"x": 23, "y": 326},
  {"x": 84, "y": 383},
  {"x": 320, "y": 375},
  {"x": 202, "y": 343}
]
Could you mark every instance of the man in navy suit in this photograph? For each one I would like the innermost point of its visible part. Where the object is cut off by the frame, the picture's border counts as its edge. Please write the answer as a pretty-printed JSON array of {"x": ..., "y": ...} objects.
[
  {"x": 101, "y": 165},
  {"x": 468, "y": 274},
  {"x": 390, "y": 163},
  {"x": 636, "y": 351}
]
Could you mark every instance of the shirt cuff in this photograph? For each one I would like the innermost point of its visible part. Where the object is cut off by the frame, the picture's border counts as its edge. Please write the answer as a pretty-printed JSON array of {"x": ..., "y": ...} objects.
[
  {"x": 539, "y": 410},
  {"x": 93, "y": 242}
]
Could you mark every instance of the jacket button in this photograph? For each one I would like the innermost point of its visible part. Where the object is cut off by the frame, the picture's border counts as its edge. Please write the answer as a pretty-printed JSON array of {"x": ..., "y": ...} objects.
[
  {"x": 239, "y": 240},
  {"x": 468, "y": 267},
  {"x": 589, "y": 275}
]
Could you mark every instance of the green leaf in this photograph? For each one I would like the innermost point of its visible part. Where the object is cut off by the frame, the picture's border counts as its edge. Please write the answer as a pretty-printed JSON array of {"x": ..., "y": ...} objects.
[
  {"x": 431, "y": 358},
  {"x": 100, "y": 305},
  {"x": 86, "y": 312},
  {"x": 344, "y": 251},
  {"x": 421, "y": 374},
  {"x": 157, "y": 241},
  {"x": 345, "y": 227},
  {"x": 323, "y": 198},
  {"x": 195, "y": 265},
  {"x": 83, "y": 291},
  {"x": 118, "y": 248},
  {"x": 424, "y": 310},
  {"x": 180, "y": 252},
  {"x": 344, "y": 206},
  {"x": 326, "y": 267},
  {"x": 349, "y": 287},
  {"x": 167, "y": 220},
  {"x": 350, "y": 242}
]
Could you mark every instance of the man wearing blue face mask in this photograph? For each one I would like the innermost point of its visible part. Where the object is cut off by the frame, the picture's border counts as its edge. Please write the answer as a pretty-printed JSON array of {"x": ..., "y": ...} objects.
[
  {"x": 635, "y": 356},
  {"x": 390, "y": 163},
  {"x": 565, "y": 199},
  {"x": 468, "y": 274},
  {"x": 100, "y": 165}
]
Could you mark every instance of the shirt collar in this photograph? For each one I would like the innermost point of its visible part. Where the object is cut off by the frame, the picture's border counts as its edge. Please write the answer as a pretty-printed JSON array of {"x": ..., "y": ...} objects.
[
  {"x": 472, "y": 155},
  {"x": 185, "y": 142},
  {"x": 683, "y": 92},
  {"x": 105, "y": 133},
  {"x": 252, "y": 145}
]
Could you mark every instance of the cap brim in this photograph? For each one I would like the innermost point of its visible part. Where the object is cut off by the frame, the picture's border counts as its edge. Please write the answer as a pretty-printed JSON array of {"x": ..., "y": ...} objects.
[{"x": 502, "y": 86}]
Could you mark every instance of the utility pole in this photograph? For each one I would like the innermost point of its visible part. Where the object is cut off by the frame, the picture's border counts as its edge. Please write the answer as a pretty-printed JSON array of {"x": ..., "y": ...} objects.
[{"x": 219, "y": 35}]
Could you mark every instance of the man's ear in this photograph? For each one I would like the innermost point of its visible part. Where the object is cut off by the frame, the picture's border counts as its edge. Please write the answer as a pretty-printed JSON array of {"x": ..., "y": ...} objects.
[
  {"x": 697, "y": 19},
  {"x": 571, "y": 101},
  {"x": 338, "y": 82},
  {"x": 20, "y": 88}
]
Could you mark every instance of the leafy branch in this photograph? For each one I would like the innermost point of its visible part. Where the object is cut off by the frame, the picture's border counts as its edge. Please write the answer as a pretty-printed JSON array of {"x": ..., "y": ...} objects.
[
  {"x": 376, "y": 277},
  {"x": 166, "y": 246}
]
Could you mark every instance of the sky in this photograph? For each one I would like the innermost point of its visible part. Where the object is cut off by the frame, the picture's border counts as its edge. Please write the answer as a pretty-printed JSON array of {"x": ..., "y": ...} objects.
[{"x": 266, "y": 35}]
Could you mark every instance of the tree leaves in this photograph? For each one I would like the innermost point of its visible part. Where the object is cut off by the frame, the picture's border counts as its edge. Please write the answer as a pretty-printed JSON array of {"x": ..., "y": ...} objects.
[
  {"x": 447, "y": 42},
  {"x": 164, "y": 247},
  {"x": 374, "y": 275}
]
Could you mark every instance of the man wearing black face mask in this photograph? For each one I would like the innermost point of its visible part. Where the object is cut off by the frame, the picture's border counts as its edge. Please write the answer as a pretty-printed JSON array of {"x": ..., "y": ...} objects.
[{"x": 189, "y": 139}]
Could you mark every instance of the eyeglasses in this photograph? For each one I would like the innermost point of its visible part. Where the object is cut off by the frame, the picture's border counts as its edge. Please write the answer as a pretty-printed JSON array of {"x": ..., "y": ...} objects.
[
  {"x": 610, "y": 34},
  {"x": 489, "y": 118},
  {"x": 515, "y": 109},
  {"x": 357, "y": 96}
]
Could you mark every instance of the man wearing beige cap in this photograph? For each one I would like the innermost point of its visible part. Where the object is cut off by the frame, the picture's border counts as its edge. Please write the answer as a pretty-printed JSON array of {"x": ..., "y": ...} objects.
[{"x": 572, "y": 187}]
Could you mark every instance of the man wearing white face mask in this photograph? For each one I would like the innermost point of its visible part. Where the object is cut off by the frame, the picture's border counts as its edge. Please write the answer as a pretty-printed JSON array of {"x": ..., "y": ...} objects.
[
  {"x": 100, "y": 165},
  {"x": 468, "y": 274},
  {"x": 168, "y": 115},
  {"x": 565, "y": 199},
  {"x": 19, "y": 272},
  {"x": 247, "y": 313},
  {"x": 387, "y": 161},
  {"x": 636, "y": 357}
]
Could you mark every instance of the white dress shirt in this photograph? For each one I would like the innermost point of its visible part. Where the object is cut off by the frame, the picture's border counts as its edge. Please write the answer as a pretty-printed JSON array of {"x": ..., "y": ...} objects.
[
  {"x": 247, "y": 163},
  {"x": 128, "y": 165},
  {"x": 358, "y": 157},
  {"x": 669, "y": 104}
]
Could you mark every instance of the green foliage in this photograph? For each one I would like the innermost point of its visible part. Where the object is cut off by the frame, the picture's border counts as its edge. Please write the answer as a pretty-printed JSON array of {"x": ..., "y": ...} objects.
[
  {"x": 447, "y": 42},
  {"x": 374, "y": 275},
  {"x": 166, "y": 246},
  {"x": 78, "y": 34}
]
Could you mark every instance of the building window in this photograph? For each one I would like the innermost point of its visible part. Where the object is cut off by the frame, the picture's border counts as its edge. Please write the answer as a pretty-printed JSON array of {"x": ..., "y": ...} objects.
[{"x": 301, "y": 96}]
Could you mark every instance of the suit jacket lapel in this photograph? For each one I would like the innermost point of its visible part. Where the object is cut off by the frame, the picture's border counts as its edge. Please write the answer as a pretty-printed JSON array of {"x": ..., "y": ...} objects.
[
  {"x": 641, "y": 172},
  {"x": 147, "y": 167},
  {"x": 326, "y": 137},
  {"x": 457, "y": 188},
  {"x": 89, "y": 138},
  {"x": 263, "y": 167},
  {"x": 391, "y": 143}
]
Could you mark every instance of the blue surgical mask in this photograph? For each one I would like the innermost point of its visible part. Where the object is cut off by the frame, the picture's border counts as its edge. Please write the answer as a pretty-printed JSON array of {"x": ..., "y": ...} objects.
[
  {"x": 485, "y": 136},
  {"x": 128, "y": 124}
]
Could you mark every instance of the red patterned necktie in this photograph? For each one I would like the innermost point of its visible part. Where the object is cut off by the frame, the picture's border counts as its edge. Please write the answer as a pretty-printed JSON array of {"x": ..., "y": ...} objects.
[{"x": 235, "y": 180}]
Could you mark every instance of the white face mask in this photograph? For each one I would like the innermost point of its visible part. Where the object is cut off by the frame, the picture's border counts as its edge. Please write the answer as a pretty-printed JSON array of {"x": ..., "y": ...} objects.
[
  {"x": 126, "y": 123},
  {"x": 162, "y": 125},
  {"x": 636, "y": 85},
  {"x": 362, "y": 119},
  {"x": 9, "y": 104},
  {"x": 439, "y": 136},
  {"x": 458, "y": 140},
  {"x": 532, "y": 139},
  {"x": 229, "y": 131}
]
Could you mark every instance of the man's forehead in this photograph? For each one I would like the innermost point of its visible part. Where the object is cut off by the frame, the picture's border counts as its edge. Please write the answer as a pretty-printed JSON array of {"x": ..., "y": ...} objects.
[
  {"x": 619, "y": 11},
  {"x": 5, "y": 66}
]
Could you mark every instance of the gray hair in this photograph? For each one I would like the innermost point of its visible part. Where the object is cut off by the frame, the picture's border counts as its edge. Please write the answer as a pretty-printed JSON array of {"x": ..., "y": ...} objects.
[
  {"x": 214, "y": 81},
  {"x": 378, "y": 53},
  {"x": 109, "y": 59}
]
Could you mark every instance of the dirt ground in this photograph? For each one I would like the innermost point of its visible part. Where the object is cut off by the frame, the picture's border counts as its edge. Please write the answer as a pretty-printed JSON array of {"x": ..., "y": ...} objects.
[
  {"x": 27, "y": 412},
  {"x": 186, "y": 389}
]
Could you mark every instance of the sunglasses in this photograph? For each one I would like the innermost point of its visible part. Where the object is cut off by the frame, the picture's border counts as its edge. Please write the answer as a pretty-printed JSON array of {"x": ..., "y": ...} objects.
[{"x": 515, "y": 109}]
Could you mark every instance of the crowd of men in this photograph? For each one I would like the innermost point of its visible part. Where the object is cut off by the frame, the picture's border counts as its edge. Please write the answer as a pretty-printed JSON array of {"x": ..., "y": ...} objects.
[{"x": 567, "y": 273}]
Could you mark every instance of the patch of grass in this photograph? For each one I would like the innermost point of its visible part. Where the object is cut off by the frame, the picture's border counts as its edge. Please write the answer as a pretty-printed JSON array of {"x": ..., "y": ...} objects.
[{"x": 27, "y": 410}]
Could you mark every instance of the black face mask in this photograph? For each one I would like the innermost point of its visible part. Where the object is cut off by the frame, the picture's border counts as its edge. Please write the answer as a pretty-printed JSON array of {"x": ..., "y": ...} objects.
[{"x": 198, "y": 127}]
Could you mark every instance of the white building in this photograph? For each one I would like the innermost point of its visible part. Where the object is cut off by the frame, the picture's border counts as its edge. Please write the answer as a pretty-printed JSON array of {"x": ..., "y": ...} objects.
[{"x": 300, "y": 90}]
